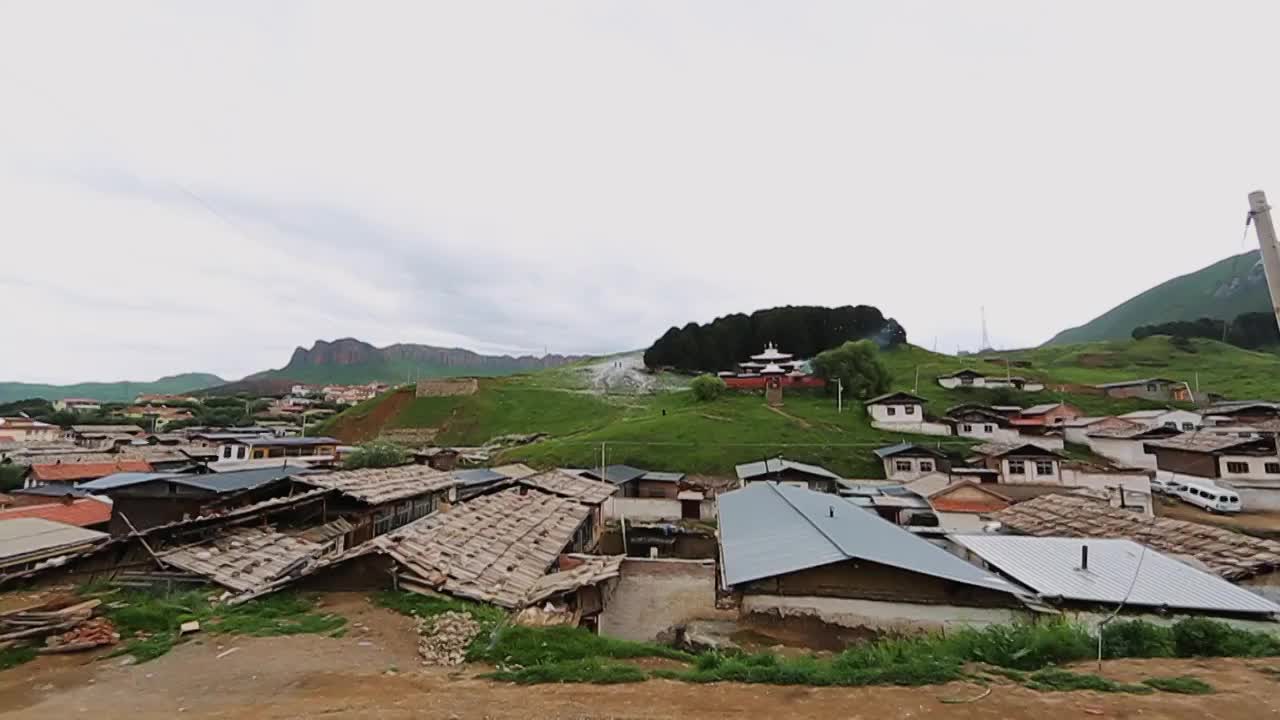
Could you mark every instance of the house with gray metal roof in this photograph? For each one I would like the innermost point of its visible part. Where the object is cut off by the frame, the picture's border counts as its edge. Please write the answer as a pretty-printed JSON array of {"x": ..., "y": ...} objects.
[
  {"x": 1104, "y": 573},
  {"x": 797, "y": 555},
  {"x": 790, "y": 472}
]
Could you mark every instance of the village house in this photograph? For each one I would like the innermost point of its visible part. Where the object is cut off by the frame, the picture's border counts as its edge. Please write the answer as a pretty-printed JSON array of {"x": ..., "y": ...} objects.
[
  {"x": 77, "y": 405},
  {"x": 158, "y": 416},
  {"x": 40, "y": 473},
  {"x": 980, "y": 423},
  {"x": 905, "y": 462},
  {"x": 902, "y": 412},
  {"x": 1089, "y": 578},
  {"x": 793, "y": 556},
  {"x": 1161, "y": 389},
  {"x": 1033, "y": 465},
  {"x": 1243, "y": 411},
  {"x": 90, "y": 513},
  {"x": 513, "y": 549},
  {"x": 789, "y": 472},
  {"x": 1015, "y": 382},
  {"x": 893, "y": 502},
  {"x": 1249, "y": 466},
  {"x": 260, "y": 451},
  {"x": 1047, "y": 415},
  {"x": 962, "y": 378},
  {"x": 1183, "y": 420},
  {"x": 142, "y": 500},
  {"x": 1126, "y": 445},
  {"x": 959, "y": 505},
  {"x": 29, "y": 541},
  {"x": 1025, "y": 463},
  {"x": 1236, "y": 557},
  {"x": 591, "y": 494},
  {"x": 479, "y": 481},
  {"x": 636, "y": 483},
  {"x": 24, "y": 430},
  {"x": 1077, "y": 430},
  {"x": 378, "y": 500},
  {"x": 103, "y": 437}
]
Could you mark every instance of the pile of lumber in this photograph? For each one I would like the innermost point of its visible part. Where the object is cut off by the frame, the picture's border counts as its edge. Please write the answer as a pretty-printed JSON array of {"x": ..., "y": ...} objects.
[{"x": 65, "y": 624}]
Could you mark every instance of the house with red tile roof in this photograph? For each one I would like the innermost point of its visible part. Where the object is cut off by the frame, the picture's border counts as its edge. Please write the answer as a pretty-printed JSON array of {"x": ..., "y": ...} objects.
[
  {"x": 83, "y": 512},
  {"x": 82, "y": 472}
]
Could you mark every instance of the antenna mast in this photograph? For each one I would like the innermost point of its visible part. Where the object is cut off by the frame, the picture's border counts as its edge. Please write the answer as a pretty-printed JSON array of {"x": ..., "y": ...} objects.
[
  {"x": 1260, "y": 214},
  {"x": 986, "y": 339}
]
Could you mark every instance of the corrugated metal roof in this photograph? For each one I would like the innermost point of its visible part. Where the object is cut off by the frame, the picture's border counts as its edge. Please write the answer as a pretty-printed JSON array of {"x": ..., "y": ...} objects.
[
  {"x": 747, "y": 471},
  {"x": 223, "y": 482},
  {"x": 901, "y": 396},
  {"x": 902, "y": 447},
  {"x": 477, "y": 476},
  {"x": 652, "y": 476},
  {"x": 1051, "y": 567},
  {"x": 768, "y": 529},
  {"x": 24, "y": 536},
  {"x": 616, "y": 474}
]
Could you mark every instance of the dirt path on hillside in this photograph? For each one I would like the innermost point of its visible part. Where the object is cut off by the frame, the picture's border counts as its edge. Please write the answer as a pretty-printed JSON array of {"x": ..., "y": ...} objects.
[
  {"x": 799, "y": 421},
  {"x": 1261, "y": 524},
  {"x": 374, "y": 671}
]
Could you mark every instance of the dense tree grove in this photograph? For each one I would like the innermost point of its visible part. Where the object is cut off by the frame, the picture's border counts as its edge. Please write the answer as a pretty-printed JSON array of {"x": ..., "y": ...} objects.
[
  {"x": 803, "y": 331},
  {"x": 1249, "y": 330},
  {"x": 857, "y": 365}
]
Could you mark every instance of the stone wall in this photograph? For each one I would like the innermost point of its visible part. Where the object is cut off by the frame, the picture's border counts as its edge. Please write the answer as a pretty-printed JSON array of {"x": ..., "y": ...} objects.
[
  {"x": 653, "y": 595},
  {"x": 449, "y": 387}
]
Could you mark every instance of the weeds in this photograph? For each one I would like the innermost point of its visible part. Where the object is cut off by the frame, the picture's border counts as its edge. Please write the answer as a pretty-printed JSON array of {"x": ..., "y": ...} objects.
[
  {"x": 15, "y": 656},
  {"x": 591, "y": 670},
  {"x": 1185, "y": 685},
  {"x": 527, "y": 646},
  {"x": 1137, "y": 639},
  {"x": 1200, "y": 637},
  {"x": 1057, "y": 680},
  {"x": 151, "y": 621}
]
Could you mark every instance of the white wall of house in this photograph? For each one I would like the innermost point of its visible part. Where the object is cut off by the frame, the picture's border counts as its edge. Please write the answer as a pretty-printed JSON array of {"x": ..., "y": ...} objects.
[
  {"x": 988, "y": 431},
  {"x": 1249, "y": 467},
  {"x": 955, "y": 382},
  {"x": 1184, "y": 420},
  {"x": 1137, "y": 486},
  {"x": 1047, "y": 472},
  {"x": 893, "y": 413},
  {"x": 876, "y": 615},
  {"x": 1128, "y": 453},
  {"x": 653, "y": 509},
  {"x": 1077, "y": 435},
  {"x": 907, "y": 469},
  {"x": 916, "y": 428},
  {"x": 1033, "y": 386}
]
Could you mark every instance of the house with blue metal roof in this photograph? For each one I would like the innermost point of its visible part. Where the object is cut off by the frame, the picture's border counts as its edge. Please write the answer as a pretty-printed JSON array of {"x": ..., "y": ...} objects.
[{"x": 790, "y": 554}]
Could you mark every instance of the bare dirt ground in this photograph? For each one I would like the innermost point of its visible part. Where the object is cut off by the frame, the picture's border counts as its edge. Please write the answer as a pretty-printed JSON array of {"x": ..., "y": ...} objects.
[
  {"x": 374, "y": 672},
  {"x": 1261, "y": 524}
]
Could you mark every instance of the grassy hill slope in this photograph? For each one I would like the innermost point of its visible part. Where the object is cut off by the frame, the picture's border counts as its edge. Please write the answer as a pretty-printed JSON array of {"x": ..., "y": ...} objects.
[
  {"x": 123, "y": 391},
  {"x": 1222, "y": 290},
  {"x": 671, "y": 431}
]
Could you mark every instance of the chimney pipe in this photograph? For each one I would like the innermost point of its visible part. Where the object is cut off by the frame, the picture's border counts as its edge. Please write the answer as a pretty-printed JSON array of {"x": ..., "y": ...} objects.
[
  {"x": 1084, "y": 557},
  {"x": 831, "y": 511}
]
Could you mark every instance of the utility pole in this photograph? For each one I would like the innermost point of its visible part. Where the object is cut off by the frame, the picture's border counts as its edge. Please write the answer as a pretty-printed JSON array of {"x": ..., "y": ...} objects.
[
  {"x": 1260, "y": 214},
  {"x": 839, "y": 395}
]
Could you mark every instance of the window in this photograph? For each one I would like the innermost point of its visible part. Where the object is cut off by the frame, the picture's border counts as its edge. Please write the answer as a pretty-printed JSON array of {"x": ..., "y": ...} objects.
[
  {"x": 1273, "y": 468},
  {"x": 902, "y": 465},
  {"x": 968, "y": 427},
  {"x": 226, "y": 451},
  {"x": 892, "y": 410},
  {"x": 1152, "y": 387},
  {"x": 1238, "y": 468},
  {"x": 966, "y": 380},
  {"x": 1044, "y": 467},
  {"x": 240, "y": 451},
  {"x": 1171, "y": 425},
  {"x": 1017, "y": 467},
  {"x": 986, "y": 428},
  {"x": 911, "y": 409},
  {"x": 1188, "y": 426},
  {"x": 926, "y": 466}
]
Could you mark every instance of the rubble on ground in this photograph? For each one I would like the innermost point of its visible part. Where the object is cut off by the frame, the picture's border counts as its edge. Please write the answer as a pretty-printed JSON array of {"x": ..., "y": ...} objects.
[
  {"x": 444, "y": 639},
  {"x": 64, "y": 624},
  {"x": 88, "y": 634}
]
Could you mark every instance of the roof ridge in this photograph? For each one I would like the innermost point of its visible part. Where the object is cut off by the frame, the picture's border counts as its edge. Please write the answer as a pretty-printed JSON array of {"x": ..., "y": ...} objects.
[{"x": 774, "y": 486}]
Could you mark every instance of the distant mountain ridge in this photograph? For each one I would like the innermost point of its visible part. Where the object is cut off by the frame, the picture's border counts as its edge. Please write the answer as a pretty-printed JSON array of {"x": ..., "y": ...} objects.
[
  {"x": 1220, "y": 291},
  {"x": 348, "y": 360},
  {"x": 124, "y": 391}
]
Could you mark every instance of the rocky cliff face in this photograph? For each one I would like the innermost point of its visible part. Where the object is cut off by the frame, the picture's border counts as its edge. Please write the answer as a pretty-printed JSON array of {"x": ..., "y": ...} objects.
[{"x": 349, "y": 351}]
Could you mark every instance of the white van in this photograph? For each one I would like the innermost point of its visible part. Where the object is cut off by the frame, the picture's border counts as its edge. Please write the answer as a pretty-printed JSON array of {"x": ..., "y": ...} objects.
[
  {"x": 1211, "y": 497},
  {"x": 1167, "y": 486}
]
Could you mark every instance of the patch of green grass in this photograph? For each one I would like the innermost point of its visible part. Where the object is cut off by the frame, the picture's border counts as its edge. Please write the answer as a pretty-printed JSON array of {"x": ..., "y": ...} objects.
[
  {"x": 149, "y": 622},
  {"x": 526, "y": 646},
  {"x": 1057, "y": 680},
  {"x": 1007, "y": 673},
  {"x": 1201, "y": 637},
  {"x": 15, "y": 656},
  {"x": 590, "y": 670},
  {"x": 1185, "y": 685}
]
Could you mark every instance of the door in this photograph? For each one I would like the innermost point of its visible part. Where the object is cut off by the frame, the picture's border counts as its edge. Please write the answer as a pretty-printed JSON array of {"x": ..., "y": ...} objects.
[{"x": 691, "y": 509}]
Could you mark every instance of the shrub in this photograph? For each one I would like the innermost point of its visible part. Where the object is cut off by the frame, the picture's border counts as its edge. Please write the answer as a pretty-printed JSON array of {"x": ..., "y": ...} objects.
[
  {"x": 1136, "y": 639},
  {"x": 1200, "y": 637},
  {"x": 1184, "y": 685},
  {"x": 857, "y": 365},
  {"x": 1052, "y": 679},
  {"x": 1023, "y": 647},
  {"x": 573, "y": 671},
  {"x": 706, "y": 388},
  {"x": 377, "y": 454}
]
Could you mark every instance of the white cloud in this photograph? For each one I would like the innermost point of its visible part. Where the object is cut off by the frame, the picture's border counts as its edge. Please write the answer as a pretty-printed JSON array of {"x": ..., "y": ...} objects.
[{"x": 583, "y": 175}]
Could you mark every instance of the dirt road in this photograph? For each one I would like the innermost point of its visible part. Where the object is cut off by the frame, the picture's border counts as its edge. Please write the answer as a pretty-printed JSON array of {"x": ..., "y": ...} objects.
[{"x": 373, "y": 672}]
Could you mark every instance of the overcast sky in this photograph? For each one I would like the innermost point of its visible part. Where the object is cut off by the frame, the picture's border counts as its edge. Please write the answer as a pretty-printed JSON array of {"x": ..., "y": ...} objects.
[{"x": 205, "y": 186}]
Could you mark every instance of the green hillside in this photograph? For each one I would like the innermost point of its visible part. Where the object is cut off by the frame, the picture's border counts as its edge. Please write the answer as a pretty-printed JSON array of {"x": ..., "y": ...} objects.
[
  {"x": 1221, "y": 291},
  {"x": 124, "y": 391},
  {"x": 669, "y": 430}
]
